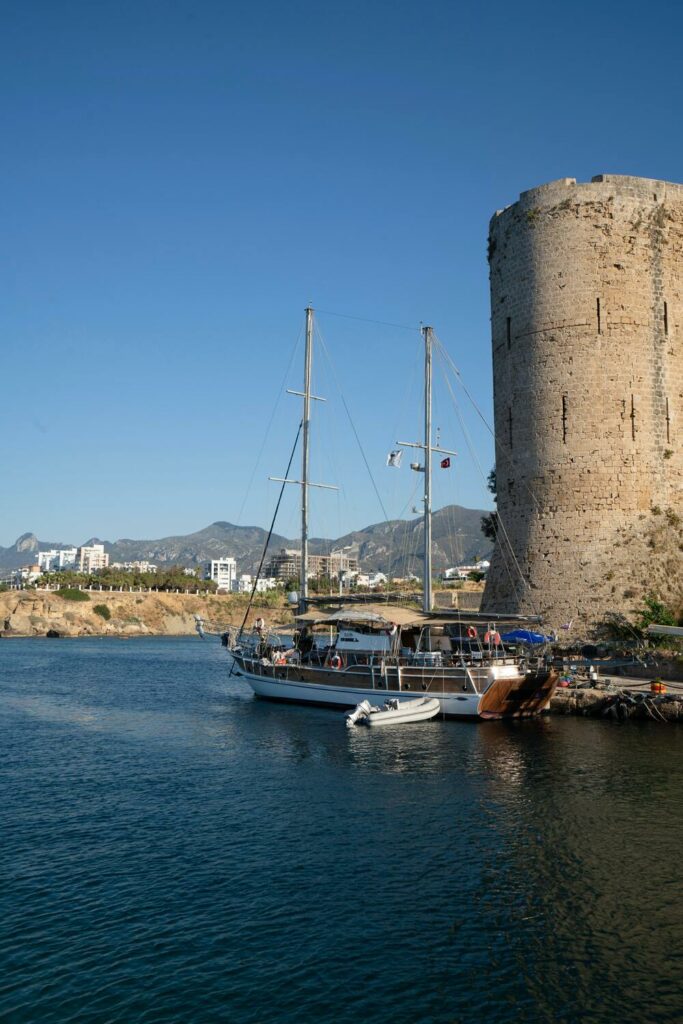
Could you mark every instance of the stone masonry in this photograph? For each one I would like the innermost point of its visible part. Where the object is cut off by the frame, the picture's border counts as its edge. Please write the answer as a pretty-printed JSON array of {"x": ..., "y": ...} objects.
[{"x": 587, "y": 322}]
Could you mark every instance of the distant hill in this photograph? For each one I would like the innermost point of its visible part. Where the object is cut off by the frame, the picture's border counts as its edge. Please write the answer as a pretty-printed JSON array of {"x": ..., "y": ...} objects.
[
  {"x": 25, "y": 550},
  {"x": 244, "y": 543},
  {"x": 394, "y": 547}
]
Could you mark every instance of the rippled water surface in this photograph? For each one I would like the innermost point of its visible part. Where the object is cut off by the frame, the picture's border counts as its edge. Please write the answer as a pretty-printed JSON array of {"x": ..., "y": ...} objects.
[{"x": 175, "y": 850}]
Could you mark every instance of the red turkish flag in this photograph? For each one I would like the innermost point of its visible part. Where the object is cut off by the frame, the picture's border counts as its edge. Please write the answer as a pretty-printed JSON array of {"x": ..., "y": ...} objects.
[{"x": 446, "y": 463}]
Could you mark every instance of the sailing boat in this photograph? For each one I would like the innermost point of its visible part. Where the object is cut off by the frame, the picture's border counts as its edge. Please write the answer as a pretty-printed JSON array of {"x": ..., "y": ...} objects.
[{"x": 388, "y": 652}]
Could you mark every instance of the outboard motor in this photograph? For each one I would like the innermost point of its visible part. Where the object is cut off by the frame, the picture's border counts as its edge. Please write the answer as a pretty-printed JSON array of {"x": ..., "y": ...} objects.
[{"x": 360, "y": 712}]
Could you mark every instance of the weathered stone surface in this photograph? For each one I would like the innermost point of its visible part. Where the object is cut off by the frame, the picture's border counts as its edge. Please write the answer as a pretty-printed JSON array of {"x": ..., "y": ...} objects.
[{"x": 587, "y": 314}]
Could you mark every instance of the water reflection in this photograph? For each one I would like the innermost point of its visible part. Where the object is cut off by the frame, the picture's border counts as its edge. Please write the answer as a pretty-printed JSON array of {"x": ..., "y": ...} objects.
[{"x": 166, "y": 833}]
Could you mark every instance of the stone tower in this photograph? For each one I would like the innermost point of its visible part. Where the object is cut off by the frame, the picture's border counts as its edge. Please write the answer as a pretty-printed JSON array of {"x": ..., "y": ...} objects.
[{"x": 587, "y": 329}]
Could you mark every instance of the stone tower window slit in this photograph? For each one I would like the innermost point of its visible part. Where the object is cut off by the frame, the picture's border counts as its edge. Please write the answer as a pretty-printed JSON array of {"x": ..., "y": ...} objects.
[
  {"x": 564, "y": 418},
  {"x": 668, "y": 423},
  {"x": 633, "y": 418},
  {"x": 509, "y": 331},
  {"x": 597, "y": 310},
  {"x": 666, "y": 318}
]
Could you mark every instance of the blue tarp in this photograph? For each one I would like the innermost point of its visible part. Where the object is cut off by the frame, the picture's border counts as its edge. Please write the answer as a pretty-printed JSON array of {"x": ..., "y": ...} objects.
[{"x": 524, "y": 636}]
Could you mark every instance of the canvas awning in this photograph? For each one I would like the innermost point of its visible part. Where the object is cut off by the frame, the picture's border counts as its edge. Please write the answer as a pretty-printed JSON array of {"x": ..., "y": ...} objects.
[{"x": 382, "y": 616}]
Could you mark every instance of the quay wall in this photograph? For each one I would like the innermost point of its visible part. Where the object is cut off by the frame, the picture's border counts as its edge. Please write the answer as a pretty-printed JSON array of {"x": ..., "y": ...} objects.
[{"x": 587, "y": 322}]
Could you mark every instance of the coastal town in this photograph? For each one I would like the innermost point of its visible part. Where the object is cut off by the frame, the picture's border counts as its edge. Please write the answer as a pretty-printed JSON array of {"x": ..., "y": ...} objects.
[{"x": 339, "y": 571}]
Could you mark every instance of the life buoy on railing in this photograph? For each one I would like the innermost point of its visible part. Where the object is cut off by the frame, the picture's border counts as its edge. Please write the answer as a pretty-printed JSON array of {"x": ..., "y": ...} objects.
[
  {"x": 471, "y": 633},
  {"x": 336, "y": 661},
  {"x": 492, "y": 636}
]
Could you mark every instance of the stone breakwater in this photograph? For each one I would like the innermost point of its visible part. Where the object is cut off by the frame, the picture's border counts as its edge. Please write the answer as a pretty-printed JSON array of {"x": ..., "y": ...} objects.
[{"x": 37, "y": 613}]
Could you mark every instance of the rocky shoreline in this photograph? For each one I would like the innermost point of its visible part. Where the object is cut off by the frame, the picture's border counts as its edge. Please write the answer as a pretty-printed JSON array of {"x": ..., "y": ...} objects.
[
  {"x": 620, "y": 703},
  {"x": 35, "y": 613}
]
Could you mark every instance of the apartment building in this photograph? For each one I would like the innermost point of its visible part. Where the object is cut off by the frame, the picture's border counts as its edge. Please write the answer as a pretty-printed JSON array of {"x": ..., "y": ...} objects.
[
  {"x": 91, "y": 558},
  {"x": 57, "y": 559},
  {"x": 223, "y": 572},
  {"x": 287, "y": 563}
]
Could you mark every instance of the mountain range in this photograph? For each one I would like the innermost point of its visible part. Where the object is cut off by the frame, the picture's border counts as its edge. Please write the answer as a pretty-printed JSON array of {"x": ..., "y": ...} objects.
[{"x": 393, "y": 547}]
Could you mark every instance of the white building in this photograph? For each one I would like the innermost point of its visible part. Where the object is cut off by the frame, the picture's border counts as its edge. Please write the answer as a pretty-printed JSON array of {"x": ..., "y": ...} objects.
[
  {"x": 371, "y": 580},
  {"x": 462, "y": 572},
  {"x": 92, "y": 558},
  {"x": 223, "y": 572},
  {"x": 245, "y": 583},
  {"x": 134, "y": 566},
  {"x": 18, "y": 578},
  {"x": 56, "y": 560}
]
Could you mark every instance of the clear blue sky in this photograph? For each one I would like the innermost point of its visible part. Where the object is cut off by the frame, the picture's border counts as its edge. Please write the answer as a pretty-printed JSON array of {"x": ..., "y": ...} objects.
[{"x": 179, "y": 179}]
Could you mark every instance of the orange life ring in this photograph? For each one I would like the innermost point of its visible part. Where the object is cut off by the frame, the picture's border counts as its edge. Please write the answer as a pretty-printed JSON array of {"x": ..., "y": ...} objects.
[
  {"x": 336, "y": 662},
  {"x": 491, "y": 636},
  {"x": 471, "y": 632}
]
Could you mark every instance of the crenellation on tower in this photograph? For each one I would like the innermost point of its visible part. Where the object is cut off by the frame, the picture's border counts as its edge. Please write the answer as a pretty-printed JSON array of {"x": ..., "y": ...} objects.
[{"x": 586, "y": 283}]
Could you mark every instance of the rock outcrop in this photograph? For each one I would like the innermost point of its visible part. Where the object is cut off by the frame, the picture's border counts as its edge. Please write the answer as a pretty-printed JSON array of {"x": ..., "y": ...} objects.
[{"x": 36, "y": 613}]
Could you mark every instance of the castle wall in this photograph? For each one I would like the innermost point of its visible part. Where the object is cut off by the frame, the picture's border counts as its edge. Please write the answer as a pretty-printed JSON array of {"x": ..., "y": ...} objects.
[{"x": 587, "y": 315}]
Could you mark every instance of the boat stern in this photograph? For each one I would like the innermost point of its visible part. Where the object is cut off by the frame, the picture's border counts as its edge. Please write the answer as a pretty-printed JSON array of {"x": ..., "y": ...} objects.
[{"x": 521, "y": 697}]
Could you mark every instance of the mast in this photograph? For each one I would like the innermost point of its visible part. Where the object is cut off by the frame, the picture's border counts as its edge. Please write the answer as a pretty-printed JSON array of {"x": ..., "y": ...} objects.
[
  {"x": 303, "y": 590},
  {"x": 305, "y": 483},
  {"x": 427, "y": 587},
  {"x": 427, "y": 447}
]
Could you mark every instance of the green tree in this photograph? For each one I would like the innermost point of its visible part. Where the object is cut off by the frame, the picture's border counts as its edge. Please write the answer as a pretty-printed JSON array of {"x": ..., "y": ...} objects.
[
  {"x": 654, "y": 611},
  {"x": 489, "y": 523}
]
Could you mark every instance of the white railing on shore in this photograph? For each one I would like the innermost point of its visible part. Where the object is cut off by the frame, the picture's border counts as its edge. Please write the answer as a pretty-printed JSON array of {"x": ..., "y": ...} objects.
[{"x": 48, "y": 588}]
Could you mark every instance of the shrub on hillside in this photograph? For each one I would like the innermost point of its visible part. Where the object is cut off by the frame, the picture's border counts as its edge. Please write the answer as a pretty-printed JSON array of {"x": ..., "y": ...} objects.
[
  {"x": 103, "y": 610},
  {"x": 71, "y": 594}
]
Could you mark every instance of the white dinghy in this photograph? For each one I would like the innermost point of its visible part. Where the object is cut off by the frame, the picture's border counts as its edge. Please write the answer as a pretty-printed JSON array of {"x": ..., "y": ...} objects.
[{"x": 394, "y": 712}]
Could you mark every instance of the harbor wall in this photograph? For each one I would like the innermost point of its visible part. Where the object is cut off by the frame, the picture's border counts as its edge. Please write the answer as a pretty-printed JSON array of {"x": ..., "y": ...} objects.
[{"x": 586, "y": 319}]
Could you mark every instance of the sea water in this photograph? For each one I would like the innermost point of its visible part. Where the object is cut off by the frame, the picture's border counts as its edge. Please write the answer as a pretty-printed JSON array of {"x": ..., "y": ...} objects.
[{"x": 175, "y": 850}]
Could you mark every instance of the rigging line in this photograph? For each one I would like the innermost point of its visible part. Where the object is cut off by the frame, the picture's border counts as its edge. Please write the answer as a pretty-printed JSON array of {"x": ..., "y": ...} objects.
[
  {"x": 367, "y": 320},
  {"x": 506, "y": 555},
  {"x": 353, "y": 426},
  {"x": 498, "y": 448},
  {"x": 270, "y": 534},
  {"x": 281, "y": 391},
  {"x": 510, "y": 554},
  {"x": 404, "y": 553},
  {"x": 449, "y": 359},
  {"x": 408, "y": 403}
]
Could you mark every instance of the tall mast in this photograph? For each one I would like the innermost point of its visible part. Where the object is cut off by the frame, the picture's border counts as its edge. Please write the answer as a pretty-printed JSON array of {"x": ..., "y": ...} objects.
[
  {"x": 427, "y": 447},
  {"x": 427, "y": 588},
  {"x": 305, "y": 483},
  {"x": 304, "y": 460}
]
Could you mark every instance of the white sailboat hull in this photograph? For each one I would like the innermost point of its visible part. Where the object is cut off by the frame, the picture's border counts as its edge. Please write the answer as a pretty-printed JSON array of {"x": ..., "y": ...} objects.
[
  {"x": 497, "y": 691},
  {"x": 461, "y": 705}
]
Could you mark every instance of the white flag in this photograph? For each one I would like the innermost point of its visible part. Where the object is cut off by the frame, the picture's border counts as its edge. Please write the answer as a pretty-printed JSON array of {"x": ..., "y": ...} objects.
[{"x": 394, "y": 459}]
